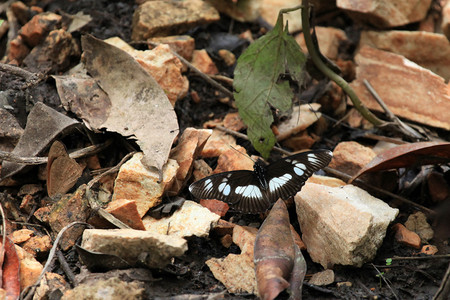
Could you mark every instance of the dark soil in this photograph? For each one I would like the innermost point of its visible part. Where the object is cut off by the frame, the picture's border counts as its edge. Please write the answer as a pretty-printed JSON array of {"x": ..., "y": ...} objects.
[{"x": 409, "y": 279}]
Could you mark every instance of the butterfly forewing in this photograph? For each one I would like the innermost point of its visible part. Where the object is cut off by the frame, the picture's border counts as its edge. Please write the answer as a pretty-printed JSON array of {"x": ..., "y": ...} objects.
[
  {"x": 286, "y": 176},
  {"x": 240, "y": 189}
]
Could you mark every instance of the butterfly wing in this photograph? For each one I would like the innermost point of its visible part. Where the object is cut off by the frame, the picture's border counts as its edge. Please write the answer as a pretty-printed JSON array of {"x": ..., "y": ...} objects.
[
  {"x": 286, "y": 177},
  {"x": 240, "y": 189}
]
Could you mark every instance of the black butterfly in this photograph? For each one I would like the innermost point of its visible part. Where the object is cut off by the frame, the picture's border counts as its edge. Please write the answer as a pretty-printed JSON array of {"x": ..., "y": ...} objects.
[{"x": 254, "y": 191}]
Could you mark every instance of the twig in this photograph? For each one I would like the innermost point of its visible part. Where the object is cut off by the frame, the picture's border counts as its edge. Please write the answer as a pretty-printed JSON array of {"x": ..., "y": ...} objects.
[
  {"x": 90, "y": 150},
  {"x": 315, "y": 57},
  {"x": 2, "y": 248},
  {"x": 402, "y": 127},
  {"x": 445, "y": 256},
  {"x": 385, "y": 281},
  {"x": 29, "y": 291},
  {"x": 65, "y": 266},
  {"x": 28, "y": 76},
  {"x": 200, "y": 73}
]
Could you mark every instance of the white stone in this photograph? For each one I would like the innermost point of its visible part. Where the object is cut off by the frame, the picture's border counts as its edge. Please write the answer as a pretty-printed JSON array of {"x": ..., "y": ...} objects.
[
  {"x": 128, "y": 244},
  {"x": 191, "y": 220},
  {"x": 341, "y": 225}
]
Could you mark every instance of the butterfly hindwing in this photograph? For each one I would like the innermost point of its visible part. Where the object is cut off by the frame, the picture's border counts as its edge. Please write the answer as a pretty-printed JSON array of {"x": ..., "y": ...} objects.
[
  {"x": 286, "y": 177},
  {"x": 240, "y": 189}
]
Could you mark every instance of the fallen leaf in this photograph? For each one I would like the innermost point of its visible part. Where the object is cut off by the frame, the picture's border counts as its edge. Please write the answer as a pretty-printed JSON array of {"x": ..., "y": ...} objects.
[
  {"x": 10, "y": 271},
  {"x": 258, "y": 86},
  {"x": 416, "y": 154},
  {"x": 43, "y": 125},
  {"x": 139, "y": 105},
  {"x": 278, "y": 260}
]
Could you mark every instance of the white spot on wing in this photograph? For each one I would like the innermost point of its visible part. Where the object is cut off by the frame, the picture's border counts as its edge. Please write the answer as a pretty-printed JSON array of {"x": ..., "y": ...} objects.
[
  {"x": 250, "y": 191},
  {"x": 276, "y": 182},
  {"x": 208, "y": 184},
  {"x": 299, "y": 171},
  {"x": 312, "y": 158}
]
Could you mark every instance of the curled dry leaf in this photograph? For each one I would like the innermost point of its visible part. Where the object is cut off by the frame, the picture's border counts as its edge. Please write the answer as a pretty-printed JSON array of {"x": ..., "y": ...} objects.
[
  {"x": 10, "y": 271},
  {"x": 139, "y": 105},
  {"x": 416, "y": 154},
  {"x": 277, "y": 259}
]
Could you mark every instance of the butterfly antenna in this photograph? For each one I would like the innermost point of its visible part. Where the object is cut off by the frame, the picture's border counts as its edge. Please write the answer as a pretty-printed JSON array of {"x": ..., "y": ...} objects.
[{"x": 242, "y": 153}]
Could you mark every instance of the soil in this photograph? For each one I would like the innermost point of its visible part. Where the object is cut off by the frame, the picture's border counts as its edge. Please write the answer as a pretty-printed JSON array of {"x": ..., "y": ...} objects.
[{"x": 410, "y": 279}]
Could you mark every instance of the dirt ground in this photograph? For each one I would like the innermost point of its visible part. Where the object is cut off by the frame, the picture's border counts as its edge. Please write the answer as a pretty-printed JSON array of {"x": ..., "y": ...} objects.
[{"x": 410, "y": 279}]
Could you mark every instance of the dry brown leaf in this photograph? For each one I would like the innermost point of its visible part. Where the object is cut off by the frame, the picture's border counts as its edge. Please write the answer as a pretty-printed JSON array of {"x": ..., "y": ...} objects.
[
  {"x": 416, "y": 154},
  {"x": 139, "y": 105}
]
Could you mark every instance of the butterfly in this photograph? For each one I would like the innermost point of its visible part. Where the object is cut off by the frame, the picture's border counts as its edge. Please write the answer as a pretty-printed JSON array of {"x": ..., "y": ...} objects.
[{"x": 255, "y": 191}]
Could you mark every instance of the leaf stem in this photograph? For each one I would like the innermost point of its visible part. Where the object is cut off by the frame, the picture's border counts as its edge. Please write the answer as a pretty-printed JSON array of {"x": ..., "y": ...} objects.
[{"x": 330, "y": 74}]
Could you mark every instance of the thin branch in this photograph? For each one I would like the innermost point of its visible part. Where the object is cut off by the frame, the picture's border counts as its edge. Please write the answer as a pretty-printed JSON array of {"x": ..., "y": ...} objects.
[
  {"x": 385, "y": 281},
  {"x": 315, "y": 57}
]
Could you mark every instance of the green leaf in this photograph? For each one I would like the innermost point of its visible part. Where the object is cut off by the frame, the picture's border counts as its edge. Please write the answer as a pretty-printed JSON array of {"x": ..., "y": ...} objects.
[{"x": 258, "y": 87}]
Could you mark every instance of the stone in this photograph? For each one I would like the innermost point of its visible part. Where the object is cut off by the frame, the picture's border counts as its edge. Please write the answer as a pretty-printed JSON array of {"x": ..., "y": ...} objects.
[
  {"x": 111, "y": 289},
  {"x": 190, "y": 144},
  {"x": 341, "y": 225},
  {"x": 191, "y": 219},
  {"x": 38, "y": 27},
  {"x": 445, "y": 25},
  {"x": 201, "y": 169},
  {"x": 55, "y": 54},
  {"x": 164, "y": 67},
  {"x": 21, "y": 235},
  {"x": 126, "y": 211},
  {"x": 329, "y": 39},
  {"x": 162, "y": 18},
  {"x": 409, "y": 90},
  {"x": 38, "y": 246},
  {"x": 405, "y": 236},
  {"x": 325, "y": 277},
  {"x": 30, "y": 268},
  {"x": 301, "y": 118},
  {"x": 216, "y": 206},
  {"x": 17, "y": 51},
  {"x": 50, "y": 283},
  {"x": 234, "y": 159},
  {"x": 438, "y": 188},
  {"x": 129, "y": 244},
  {"x": 236, "y": 271},
  {"x": 417, "y": 46},
  {"x": 183, "y": 45},
  {"x": 350, "y": 157},
  {"x": 269, "y": 12},
  {"x": 244, "y": 11},
  {"x": 136, "y": 182},
  {"x": 385, "y": 13},
  {"x": 325, "y": 180},
  {"x": 202, "y": 61},
  {"x": 233, "y": 121},
  {"x": 417, "y": 222},
  {"x": 429, "y": 249},
  {"x": 218, "y": 142},
  {"x": 228, "y": 57}
]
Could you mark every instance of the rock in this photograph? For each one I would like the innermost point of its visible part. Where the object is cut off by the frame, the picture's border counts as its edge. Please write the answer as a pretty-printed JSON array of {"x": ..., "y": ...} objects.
[
  {"x": 218, "y": 143},
  {"x": 233, "y": 121},
  {"x": 191, "y": 219},
  {"x": 429, "y": 250},
  {"x": 38, "y": 246},
  {"x": 417, "y": 222},
  {"x": 21, "y": 235},
  {"x": 111, "y": 289},
  {"x": 216, "y": 206},
  {"x": 325, "y": 180},
  {"x": 127, "y": 212},
  {"x": 417, "y": 46},
  {"x": 30, "y": 268},
  {"x": 129, "y": 244},
  {"x": 234, "y": 159},
  {"x": 17, "y": 51},
  {"x": 228, "y": 57},
  {"x": 322, "y": 278},
  {"x": 329, "y": 39},
  {"x": 55, "y": 54},
  {"x": 341, "y": 225},
  {"x": 406, "y": 236},
  {"x": 270, "y": 8},
  {"x": 409, "y": 90},
  {"x": 236, "y": 271},
  {"x": 202, "y": 61},
  {"x": 201, "y": 169},
  {"x": 385, "y": 13},
  {"x": 183, "y": 45},
  {"x": 159, "y": 18},
  {"x": 164, "y": 67},
  {"x": 36, "y": 30},
  {"x": 50, "y": 284},
  {"x": 136, "y": 182},
  {"x": 301, "y": 118},
  {"x": 245, "y": 11},
  {"x": 189, "y": 147},
  {"x": 438, "y": 188},
  {"x": 350, "y": 157}
]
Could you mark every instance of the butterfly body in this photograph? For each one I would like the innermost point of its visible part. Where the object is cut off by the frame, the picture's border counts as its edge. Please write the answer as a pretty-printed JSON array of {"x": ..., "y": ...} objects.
[{"x": 255, "y": 191}]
